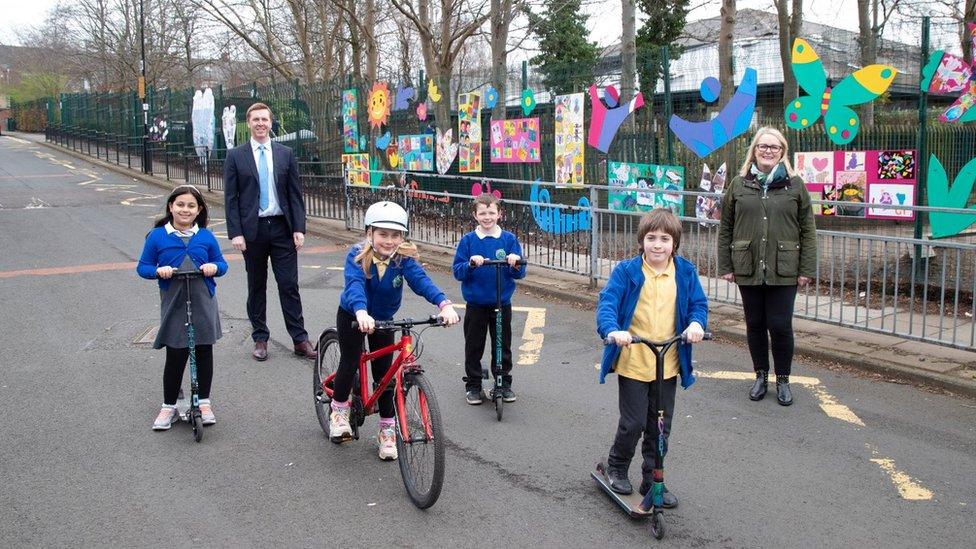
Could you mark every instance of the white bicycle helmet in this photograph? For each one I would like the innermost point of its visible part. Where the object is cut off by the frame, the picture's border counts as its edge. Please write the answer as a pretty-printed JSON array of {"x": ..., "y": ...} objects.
[{"x": 388, "y": 215}]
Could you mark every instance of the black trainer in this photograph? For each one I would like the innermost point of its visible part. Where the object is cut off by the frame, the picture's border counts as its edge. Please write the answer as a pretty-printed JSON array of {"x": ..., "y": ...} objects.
[
  {"x": 508, "y": 395},
  {"x": 619, "y": 482},
  {"x": 473, "y": 397}
]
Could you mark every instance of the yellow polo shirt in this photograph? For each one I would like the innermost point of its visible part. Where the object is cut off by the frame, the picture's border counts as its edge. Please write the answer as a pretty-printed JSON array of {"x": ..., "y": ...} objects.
[{"x": 654, "y": 319}]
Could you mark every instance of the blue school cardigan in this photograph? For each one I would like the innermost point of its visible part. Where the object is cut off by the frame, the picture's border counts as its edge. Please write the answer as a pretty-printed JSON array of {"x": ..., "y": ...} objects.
[
  {"x": 162, "y": 249},
  {"x": 618, "y": 300},
  {"x": 380, "y": 297}
]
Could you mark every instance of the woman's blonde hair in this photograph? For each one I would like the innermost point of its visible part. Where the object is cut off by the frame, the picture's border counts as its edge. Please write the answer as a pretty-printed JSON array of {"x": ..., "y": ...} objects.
[
  {"x": 751, "y": 154},
  {"x": 365, "y": 256}
]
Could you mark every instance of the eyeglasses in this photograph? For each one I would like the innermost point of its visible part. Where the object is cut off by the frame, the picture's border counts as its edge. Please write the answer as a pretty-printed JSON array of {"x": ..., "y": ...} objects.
[{"x": 771, "y": 148}]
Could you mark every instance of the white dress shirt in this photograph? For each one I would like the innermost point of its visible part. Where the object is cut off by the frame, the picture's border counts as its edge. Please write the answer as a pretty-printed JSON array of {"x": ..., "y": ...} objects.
[{"x": 273, "y": 207}]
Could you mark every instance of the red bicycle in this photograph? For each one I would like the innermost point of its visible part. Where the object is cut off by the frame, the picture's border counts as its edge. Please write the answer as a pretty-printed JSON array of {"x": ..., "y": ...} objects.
[{"x": 419, "y": 434}]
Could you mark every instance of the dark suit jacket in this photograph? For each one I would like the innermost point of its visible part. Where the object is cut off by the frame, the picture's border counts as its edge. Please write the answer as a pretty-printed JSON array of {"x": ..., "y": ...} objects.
[{"x": 242, "y": 190}]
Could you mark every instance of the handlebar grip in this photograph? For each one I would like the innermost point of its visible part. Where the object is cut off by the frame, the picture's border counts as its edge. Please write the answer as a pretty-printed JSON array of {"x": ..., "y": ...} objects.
[{"x": 708, "y": 335}]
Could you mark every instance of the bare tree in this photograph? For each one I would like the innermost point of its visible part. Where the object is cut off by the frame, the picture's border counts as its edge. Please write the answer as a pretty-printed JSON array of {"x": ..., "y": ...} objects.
[
  {"x": 628, "y": 49},
  {"x": 726, "y": 34},
  {"x": 443, "y": 30},
  {"x": 790, "y": 28},
  {"x": 872, "y": 16}
]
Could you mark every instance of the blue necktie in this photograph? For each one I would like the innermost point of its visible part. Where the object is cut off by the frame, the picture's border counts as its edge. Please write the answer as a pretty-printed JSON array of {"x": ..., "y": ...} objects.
[{"x": 263, "y": 177}]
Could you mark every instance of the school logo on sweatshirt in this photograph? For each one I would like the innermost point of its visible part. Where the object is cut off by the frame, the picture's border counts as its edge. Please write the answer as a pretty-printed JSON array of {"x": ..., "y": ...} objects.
[
  {"x": 499, "y": 253},
  {"x": 398, "y": 281}
]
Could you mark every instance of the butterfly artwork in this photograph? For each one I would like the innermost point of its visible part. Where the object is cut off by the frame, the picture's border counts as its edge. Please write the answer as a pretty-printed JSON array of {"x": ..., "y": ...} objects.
[
  {"x": 946, "y": 74},
  {"x": 841, "y": 123}
]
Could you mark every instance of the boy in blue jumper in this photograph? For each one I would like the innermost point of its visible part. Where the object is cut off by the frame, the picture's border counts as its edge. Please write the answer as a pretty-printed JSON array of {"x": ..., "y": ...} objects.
[
  {"x": 654, "y": 296},
  {"x": 376, "y": 271},
  {"x": 487, "y": 241}
]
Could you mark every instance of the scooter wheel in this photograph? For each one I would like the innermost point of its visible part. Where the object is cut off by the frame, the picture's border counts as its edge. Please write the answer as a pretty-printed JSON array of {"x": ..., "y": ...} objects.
[
  {"x": 499, "y": 405},
  {"x": 197, "y": 426},
  {"x": 657, "y": 525}
]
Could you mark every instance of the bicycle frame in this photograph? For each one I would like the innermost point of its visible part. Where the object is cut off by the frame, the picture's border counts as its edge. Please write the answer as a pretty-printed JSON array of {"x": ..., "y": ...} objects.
[{"x": 404, "y": 361}]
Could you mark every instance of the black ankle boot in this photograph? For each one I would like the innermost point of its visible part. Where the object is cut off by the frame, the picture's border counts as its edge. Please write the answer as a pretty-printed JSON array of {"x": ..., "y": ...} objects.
[
  {"x": 783, "y": 394},
  {"x": 758, "y": 390}
]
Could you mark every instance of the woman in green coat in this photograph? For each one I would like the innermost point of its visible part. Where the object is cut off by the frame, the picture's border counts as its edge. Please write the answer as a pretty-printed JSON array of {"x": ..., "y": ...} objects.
[{"x": 767, "y": 245}]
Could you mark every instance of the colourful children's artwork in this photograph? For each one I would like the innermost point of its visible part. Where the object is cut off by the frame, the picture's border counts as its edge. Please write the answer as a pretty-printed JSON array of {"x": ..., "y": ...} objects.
[
  {"x": 605, "y": 120},
  {"x": 946, "y": 74},
  {"x": 942, "y": 195},
  {"x": 528, "y": 101},
  {"x": 350, "y": 120},
  {"x": 558, "y": 218},
  {"x": 378, "y": 104},
  {"x": 469, "y": 132},
  {"x": 403, "y": 97},
  {"x": 515, "y": 140},
  {"x": 840, "y": 122},
  {"x": 860, "y": 177},
  {"x": 416, "y": 152},
  {"x": 357, "y": 169},
  {"x": 627, "y": 181},
  {"x": 884, "y": 199},
  {"x": 569, "y": 134},
  {"x": 704, "y": 138},
  {"x": 709, "y": 207},
  {"x": 447, "y": 150}
]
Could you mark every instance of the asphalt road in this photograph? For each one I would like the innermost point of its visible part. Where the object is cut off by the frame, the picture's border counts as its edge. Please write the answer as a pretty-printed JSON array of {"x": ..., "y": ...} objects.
[{"x": 854, "y": 462}]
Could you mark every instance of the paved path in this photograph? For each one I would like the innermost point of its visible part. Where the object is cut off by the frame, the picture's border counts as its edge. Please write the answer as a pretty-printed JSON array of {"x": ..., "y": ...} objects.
[{"x": 856, "y": 461}]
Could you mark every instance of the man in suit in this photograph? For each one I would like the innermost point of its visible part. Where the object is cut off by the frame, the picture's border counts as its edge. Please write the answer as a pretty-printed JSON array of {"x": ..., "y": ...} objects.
[{"x": 266, "y": 219}]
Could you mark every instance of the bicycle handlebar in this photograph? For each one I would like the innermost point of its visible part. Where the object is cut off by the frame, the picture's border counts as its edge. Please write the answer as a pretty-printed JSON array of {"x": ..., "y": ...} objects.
[
  {"x": 638, "y": 339},
  {"x": 488, "y": 262},
  {"x": 432, "y": 320}
]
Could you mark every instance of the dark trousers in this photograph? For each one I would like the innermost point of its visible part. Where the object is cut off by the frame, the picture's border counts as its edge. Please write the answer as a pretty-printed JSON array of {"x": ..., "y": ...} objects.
[
  {"x": 479, "y": 321},
  {"x": 769, "y": 317},
  {"x": 276, "y": 242},
  {"x": 176, "y": 364},
  {"x": 350, "y": 349},
  {"x": 638, "y": 415}
]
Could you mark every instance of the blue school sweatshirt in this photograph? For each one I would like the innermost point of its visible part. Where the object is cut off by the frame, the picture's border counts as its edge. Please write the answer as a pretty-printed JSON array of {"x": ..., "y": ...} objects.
[
  {"x": 380, "y": 297},
  {"x": 478, "y": 283},
  {"x": 162, "y": 249}
]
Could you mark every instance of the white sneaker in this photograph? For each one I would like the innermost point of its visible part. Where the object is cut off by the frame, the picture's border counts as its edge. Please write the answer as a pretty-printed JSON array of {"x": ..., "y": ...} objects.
[
  {"x": 339, "y": 428},
  {"x": 206, "y": 412},
  {"x": 167, "y": 414},
  {"x": 387, "y": 441}
]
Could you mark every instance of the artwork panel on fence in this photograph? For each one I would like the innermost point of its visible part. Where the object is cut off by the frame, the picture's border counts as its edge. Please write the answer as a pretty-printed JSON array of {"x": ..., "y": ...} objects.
[
  {"x": 850, "y": 187},
  {"x": 606, "y": 120},
  {"x": 357, "y": 169},
  {"x": 557, "y": 218},
  {"x": 889, "y": 196},
  {"x": 708, "y": 207},
  {"x": 416, "y": 152},
  {"x": 515, "y": 140},
  {"x": 378, "y": 105},
  {"x": 814, "y": 167},
  {"x": 469, "y": 132},
  {"x": 447, "y": 150},
  {"x": 626, "y": 180},
  {"x": 891, "y": 165},
  {"x": 229, "y": 125},
  {"x": 568, "y": 139},
  {"x": 706, "y": 137},
  {"x": 350, "y": 120}
]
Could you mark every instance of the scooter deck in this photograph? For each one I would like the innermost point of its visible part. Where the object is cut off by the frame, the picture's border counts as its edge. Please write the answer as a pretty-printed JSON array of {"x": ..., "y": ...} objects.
[{"x": 630, "y": 503}]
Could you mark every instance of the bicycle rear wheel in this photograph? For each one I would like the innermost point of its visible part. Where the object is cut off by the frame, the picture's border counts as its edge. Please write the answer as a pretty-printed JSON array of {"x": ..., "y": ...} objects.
[
  {"x": 325, "y": 365},
  {"x": 421, "y": 456}
]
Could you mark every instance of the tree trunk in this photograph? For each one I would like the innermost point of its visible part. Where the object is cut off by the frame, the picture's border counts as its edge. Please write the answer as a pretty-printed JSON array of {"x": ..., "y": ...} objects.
[
  {"x": 628, "y": 50},
  {"x": 966, "y": 40},
  {"x": 726, "y": 72},
  {"x": 501, "y": 19},
  {"x": 868, "y": 47},
  {"x": 790, "y": 27}
]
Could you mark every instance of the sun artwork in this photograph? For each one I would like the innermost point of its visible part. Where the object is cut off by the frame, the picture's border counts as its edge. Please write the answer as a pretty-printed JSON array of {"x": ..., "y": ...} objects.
[{"x": 378, "y": 104}]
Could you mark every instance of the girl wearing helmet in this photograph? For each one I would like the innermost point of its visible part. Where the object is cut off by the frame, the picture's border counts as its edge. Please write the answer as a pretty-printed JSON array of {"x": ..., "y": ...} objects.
[{"x": 375, "y": 273}]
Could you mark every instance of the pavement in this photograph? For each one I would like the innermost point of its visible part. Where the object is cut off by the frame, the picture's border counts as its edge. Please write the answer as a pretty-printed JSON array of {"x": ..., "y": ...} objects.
[{"x": 893, "y": 358}]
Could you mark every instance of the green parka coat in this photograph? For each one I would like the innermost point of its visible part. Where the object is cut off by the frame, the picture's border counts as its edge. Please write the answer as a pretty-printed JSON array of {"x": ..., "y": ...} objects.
[{"x": 767, "y": 237}]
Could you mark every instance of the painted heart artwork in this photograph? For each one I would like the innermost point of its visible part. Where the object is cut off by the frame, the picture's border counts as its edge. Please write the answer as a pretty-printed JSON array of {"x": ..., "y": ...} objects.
[{"x": 447, "y": 150}]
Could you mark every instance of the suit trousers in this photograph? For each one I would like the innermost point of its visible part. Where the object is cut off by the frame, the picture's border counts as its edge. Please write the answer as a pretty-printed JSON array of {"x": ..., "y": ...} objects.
[
  {"x": 274, "y": 242},
  {"x": 638, "y": 415}
]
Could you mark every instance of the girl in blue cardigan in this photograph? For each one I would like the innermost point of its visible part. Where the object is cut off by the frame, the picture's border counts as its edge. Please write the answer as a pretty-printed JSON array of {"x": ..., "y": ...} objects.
[
  {"x": 375, "y": 273},
  {"x": 181, "y": 241}
]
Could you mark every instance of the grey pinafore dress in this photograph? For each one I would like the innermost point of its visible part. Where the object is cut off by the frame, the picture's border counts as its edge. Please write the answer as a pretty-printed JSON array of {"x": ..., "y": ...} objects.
[{"x": 172, "y": 311}]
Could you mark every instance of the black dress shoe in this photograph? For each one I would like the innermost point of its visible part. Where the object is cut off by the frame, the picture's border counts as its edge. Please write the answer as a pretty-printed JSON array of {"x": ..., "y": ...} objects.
[
  {"x": 619, "y": 482},
  {"x": 783, "y": 394},
  {"x": 758, "y": 390},
  {"x": 260, "y": 352},
  {"x": 669, "y": 499},
  {"x": 306, "y": 350}
]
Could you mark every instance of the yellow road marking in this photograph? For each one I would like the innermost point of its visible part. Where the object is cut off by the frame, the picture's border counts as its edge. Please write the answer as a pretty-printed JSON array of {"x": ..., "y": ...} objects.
[
  {"x": 908, "y": 488},
  {"x": 532, "y": 335}
]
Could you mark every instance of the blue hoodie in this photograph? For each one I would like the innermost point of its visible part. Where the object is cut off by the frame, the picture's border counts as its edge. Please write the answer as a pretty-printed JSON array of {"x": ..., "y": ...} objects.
[
  {"x": 618, "y": 300},
  {"x": 380, "y": 297}
]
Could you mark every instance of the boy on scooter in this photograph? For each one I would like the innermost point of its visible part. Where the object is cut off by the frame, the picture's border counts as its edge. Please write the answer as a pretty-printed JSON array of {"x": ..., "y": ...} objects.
[
  {"x": 487, "y": 241},
  {"x": 654, "y": 295}
]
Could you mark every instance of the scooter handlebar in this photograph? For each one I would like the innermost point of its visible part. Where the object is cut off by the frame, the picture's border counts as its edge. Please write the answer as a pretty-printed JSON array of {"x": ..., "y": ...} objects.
[
  {"x": 638, "y": 339},
  {"x": 195, "y": 273},
  {"x": 488, "y": 262}
]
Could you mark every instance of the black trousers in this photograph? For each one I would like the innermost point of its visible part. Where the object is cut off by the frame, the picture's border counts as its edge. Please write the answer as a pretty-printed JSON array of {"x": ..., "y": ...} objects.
[
  {"x": 479, "y": 321},
  {"x": 638, "y": 415},
  {"x": 274, "y": 242},
  {"x": 350, "y": 349},
  {"x": 769, "y": 317},
  {"x": 176, "y": 364}
]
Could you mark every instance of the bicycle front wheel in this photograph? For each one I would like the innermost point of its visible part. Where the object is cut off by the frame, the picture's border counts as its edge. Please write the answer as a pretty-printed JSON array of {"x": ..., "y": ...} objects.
[
  {"x": 421, "y": 451},
  {"x": 326, "y": 364}
]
